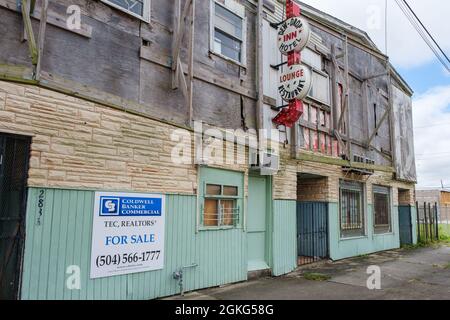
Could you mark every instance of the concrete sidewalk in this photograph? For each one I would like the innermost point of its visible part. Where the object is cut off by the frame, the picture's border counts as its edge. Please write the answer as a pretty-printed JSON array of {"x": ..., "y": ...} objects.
[{"x": 405, "y": 274}]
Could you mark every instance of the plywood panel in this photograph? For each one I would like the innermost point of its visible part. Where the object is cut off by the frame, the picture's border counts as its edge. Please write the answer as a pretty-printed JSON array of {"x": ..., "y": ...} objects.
[{"x": 404, "y": 136}]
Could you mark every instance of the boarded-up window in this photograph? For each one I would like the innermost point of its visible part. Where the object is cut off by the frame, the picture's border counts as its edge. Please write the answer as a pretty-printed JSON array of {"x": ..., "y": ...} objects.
[
  {"x": 382, "y": 212},
  {"x": 320, "y": 89},
  {"x": 220, "y": 206},
  {"x": 312, "y": 58},
  {"x": 351, "y": 209}
]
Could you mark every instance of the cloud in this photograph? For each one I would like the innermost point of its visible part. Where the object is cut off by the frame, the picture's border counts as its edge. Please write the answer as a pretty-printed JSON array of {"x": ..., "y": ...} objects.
[
  {"x": 405, "y": 47},
  {"x": 432, "y": 131}
]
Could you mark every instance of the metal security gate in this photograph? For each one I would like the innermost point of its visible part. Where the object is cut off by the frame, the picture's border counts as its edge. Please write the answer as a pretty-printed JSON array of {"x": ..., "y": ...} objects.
[
  {"x": 312, "y": 232},
  {"x": 427, "y": 222},
  {"x": 406, "y": 237},
  {"x": 14, "y": 156}
]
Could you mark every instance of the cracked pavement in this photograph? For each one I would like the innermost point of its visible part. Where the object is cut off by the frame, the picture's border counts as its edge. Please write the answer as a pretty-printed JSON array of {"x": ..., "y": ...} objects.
[{"x": 414, "y": 274}]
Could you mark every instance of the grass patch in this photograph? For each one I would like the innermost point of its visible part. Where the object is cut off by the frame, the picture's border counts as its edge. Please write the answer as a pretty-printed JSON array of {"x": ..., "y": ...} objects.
[
  {"x": 444, "y": 233},
  {"x": 416, "y": 246},
  {"x": 316, "y": 276},
  {"x": 447, "y": 266},
  {"x": 362, "y": 256}
]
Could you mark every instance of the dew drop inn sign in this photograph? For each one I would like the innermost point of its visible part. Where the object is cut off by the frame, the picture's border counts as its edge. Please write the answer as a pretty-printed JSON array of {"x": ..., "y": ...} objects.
[
  {"x": 295, "y": 81},
  {"x": 293, "y": 35},
  {"x": 127, "y": 234}
]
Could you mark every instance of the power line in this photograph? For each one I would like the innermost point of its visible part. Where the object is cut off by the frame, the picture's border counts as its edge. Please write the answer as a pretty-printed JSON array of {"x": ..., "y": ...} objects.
[
  {"x": 416, "y": 26},
  {"x": 421, "y": 33},
  {"x": 428, "y": 32},
  {"x": 432, "y": 153},
  {"x": 410, "y": 14},
  {"x": 433, "y": 125}
]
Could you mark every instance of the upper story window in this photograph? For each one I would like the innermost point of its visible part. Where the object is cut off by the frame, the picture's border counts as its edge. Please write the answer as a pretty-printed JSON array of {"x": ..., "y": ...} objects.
[
  {"x": 228, "y": 29},
  {"x": 137, "y": 8}
]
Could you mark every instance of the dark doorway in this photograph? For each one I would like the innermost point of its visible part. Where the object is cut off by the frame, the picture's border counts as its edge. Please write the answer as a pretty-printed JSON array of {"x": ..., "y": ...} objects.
[{"x": 14, "y": 157}]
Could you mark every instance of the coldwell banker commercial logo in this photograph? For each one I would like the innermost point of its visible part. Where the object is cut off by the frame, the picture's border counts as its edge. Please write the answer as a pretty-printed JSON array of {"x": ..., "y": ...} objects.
[
  {"x": 129, "y": 206},
  {"x": 109, "y": 206}
]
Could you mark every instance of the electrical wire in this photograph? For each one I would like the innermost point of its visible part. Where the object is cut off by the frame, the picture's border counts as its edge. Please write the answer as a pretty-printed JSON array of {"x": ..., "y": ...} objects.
[
  {"x": 428, "y": 32},
  {"x": 411, "y": 17},
  {"x": 416, "y": 26}
]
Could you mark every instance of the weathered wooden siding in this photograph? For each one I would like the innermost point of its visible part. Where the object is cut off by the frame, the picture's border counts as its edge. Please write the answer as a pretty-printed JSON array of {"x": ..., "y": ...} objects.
[
  {"x": 130, "y": 61},
  {"x": 63, "y": 239},
  {"x": 115, "y": 60}
]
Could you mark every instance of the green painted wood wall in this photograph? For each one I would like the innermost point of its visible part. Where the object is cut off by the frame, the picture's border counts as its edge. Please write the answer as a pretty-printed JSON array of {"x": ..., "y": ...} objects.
[
  {"x": 345, "y": 248},
  {"x": 63, "y": 238},
  {"x": 284, "y": 237}
]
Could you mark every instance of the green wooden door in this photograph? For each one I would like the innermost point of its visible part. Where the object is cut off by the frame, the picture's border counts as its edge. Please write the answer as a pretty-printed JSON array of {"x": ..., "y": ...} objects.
[{"x": 257, "y": 224}]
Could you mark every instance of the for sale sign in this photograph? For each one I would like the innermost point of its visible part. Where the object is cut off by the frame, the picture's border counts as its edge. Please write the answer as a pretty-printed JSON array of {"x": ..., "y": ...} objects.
[{"x": 127, "y": 234}]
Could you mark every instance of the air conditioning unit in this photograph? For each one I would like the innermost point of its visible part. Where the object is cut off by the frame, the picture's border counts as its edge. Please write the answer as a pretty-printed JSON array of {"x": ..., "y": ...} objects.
[{"x": 266, "y": 162}]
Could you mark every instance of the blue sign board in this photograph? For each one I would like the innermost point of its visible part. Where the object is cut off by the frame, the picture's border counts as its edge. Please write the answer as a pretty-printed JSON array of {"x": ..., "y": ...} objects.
[{"x": 130, "y": 206}]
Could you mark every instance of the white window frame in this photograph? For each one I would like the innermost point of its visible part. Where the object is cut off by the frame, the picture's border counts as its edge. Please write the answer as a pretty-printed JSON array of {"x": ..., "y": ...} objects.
[
  {"x": 324, "y": 75},
  {"x": 145, "y": 17},
  {"x": 239, "y": 10}
]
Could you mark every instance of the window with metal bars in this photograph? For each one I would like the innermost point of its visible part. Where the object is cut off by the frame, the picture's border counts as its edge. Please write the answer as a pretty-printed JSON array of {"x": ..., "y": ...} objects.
[
  {"x": 228, "y": 31},
  {"x": 137, "y": 8},
  {"x": 352, "y": 209},
  {"x": 220, "y": 207},
  {"x": 381, "y": 208}
]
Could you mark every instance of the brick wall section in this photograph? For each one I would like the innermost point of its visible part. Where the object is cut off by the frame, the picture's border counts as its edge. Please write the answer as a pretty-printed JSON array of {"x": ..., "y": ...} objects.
[
  {"x": 285, "y": 182},
  {"x": 405, "y": 197},
  {"x": 445, "y": 198},
  {"x": 78, "y": 144},
  {"x": 334, "y": 174},
  {"x": 431, "y": 196},
  {"x": 312, "y": 190}
]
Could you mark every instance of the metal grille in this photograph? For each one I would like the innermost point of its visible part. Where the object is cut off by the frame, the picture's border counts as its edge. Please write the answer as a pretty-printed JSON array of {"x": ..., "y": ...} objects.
[
  {"x": 220, "y": 213},
  {"x": 351, "y": 210},
  {"x": 381, "y": 209},
  {"x": 14, "y": 154},
  {"x": 405, "y": 225},
  {"x": 312, "y": 232}
]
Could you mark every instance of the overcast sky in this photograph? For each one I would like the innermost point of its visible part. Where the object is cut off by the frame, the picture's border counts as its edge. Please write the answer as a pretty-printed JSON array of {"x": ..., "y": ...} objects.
[{"x": 417, "y": 64}]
